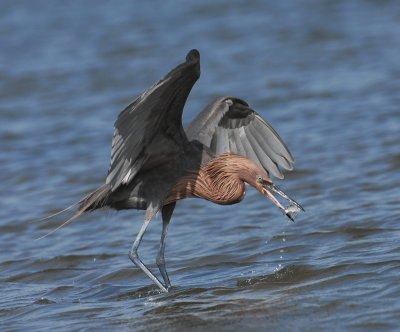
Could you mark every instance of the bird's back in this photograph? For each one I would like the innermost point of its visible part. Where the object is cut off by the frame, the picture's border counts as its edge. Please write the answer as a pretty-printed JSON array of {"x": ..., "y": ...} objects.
[{"x": 151, "y": 186}]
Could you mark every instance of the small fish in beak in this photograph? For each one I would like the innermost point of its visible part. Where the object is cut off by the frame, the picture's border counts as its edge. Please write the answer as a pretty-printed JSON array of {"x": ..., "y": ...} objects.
[{"x": 291, "y": 210}]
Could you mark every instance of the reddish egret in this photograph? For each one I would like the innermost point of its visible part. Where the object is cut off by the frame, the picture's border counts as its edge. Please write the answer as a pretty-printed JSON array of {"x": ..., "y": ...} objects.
[{"x": 155, "y": 162}]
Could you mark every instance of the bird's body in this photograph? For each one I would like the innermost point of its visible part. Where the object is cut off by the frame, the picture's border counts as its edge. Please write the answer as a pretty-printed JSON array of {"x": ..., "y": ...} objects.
[{"x": 155, "y": 162}]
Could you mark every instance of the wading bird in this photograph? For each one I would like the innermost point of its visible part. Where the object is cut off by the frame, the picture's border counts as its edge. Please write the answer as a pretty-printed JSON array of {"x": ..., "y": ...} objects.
[{"x": 155, "y": 162}]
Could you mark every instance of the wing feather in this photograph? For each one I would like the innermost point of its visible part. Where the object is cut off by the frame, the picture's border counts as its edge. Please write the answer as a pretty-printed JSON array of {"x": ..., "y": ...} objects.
[
  {"x": 229, "y": 125},
  {"x": 248, "y": 148},
  {"x": 152, "y": 119},
  {"x": 262, "y": 157},
  {"x": 276, "y": 156},
  {"x": 239, "y": 144}
]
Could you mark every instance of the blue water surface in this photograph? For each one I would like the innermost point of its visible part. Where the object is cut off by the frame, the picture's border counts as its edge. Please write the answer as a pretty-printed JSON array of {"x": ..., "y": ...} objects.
[{"x": 325, "y": 74}]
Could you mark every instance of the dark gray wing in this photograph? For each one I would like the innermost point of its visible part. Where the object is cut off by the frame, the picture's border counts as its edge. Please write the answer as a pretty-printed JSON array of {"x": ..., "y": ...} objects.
[
  {"x": 149, "y": 131},
  {"x": 229, "y": 125}
]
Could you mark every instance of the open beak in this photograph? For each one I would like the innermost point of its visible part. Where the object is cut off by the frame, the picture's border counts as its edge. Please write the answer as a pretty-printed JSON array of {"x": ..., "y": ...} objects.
[{"x": 291, "y": 210}]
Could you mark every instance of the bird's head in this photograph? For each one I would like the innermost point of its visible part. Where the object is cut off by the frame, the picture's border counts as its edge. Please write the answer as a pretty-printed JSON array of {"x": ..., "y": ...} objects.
[
  {"x": 266, "y": 187},
  {"x": 246, "y": 170}
]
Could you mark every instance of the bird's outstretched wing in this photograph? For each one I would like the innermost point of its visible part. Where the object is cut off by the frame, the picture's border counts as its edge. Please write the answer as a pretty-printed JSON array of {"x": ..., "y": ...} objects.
[
  {"x": 149, "y": 131},
  {"x": 229, "y": 125}
]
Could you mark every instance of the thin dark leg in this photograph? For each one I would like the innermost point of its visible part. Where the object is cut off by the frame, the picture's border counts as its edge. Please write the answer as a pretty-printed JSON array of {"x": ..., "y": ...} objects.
[
  {"x": 166, "y": 215},
  {"x": 133, "y": 255}
]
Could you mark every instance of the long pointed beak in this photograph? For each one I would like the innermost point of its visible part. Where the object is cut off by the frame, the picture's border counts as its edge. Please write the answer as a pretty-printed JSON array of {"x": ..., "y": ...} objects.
[{"x": 291, "y": 210}]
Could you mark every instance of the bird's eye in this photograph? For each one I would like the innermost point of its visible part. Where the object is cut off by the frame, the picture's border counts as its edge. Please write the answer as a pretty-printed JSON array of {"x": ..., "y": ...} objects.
[{"x": 259, "y": 178}]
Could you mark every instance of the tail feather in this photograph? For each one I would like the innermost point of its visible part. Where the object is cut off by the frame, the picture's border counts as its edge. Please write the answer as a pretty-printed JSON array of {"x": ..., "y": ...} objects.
[
  {"x": 95, "y": 200},
  {"x": 57, "y": 213},
  {"x": 76, "y": 215}
]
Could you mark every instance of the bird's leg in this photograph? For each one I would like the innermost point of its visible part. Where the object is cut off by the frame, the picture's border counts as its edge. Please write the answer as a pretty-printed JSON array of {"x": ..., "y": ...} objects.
[
  {"x": 160, "y": 257},
  {"x": 166, "y": 216},
  {"x": 133, "y": 255}
]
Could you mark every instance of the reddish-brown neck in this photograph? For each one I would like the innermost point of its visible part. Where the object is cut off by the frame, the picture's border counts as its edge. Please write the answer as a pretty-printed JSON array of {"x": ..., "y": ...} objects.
[{"x": 220, "y": 181}]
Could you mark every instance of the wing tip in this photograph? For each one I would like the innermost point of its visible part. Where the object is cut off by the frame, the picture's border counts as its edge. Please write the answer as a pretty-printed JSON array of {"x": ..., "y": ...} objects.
[{"x": 193, "y": 55}]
